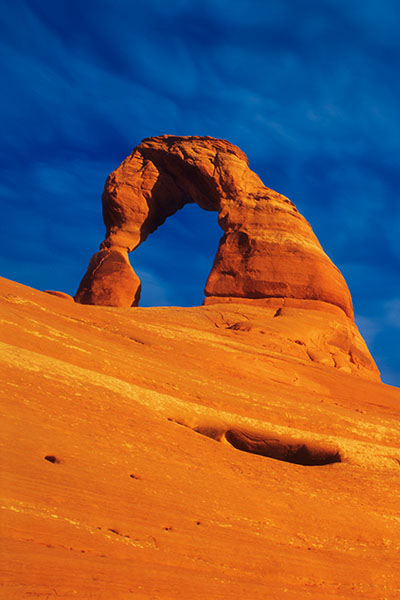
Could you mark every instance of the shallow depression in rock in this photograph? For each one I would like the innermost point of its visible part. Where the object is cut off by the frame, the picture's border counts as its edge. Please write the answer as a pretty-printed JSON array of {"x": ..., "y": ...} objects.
[{"x": 299, "y": 452}]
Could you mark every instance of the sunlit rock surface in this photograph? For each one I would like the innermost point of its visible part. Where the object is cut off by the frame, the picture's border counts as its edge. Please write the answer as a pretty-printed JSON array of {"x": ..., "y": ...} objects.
[{"x": 223, "y": 451}]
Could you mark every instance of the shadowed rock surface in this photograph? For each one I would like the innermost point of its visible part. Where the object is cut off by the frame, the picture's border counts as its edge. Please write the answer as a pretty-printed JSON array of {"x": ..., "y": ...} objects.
[{"x": 268, "y": 249}]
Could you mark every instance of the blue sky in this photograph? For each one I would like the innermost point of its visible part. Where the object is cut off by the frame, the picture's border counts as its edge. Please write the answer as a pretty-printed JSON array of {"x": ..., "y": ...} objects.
[{"x": 309, "y": 89}]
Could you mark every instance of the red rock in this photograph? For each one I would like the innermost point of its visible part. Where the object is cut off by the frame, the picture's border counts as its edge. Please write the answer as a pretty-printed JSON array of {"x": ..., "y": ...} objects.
[
  {"x": 268, "y": 249},
  {"x": 268, "y": 255},
  {"x": 109, "y": 280}
]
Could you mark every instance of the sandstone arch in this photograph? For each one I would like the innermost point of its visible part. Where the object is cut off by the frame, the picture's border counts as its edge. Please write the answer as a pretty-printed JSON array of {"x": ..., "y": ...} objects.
[{"x": 268, "y": 250}]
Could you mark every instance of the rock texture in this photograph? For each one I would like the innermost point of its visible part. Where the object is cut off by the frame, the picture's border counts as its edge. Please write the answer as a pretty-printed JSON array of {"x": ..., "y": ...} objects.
[
  {"x": 203, "y": 452},
  {"x": 268, "y": 249}
]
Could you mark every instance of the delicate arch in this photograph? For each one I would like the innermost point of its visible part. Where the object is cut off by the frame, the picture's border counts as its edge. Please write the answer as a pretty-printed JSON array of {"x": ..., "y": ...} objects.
[{"x": 268, "y": 250}]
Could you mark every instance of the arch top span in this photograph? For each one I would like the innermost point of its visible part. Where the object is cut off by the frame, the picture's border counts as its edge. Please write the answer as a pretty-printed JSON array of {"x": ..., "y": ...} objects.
[
  {"x": 159, "y": 177},
  {"x": 268, "y": 250}
]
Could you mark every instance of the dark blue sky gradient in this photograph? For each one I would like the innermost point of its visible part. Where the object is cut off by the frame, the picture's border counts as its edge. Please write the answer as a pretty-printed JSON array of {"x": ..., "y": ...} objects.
[{"x": 309, "y": 89}]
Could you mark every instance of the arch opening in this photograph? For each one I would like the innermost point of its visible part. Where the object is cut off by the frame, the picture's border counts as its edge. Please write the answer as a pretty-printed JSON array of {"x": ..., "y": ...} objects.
[{"x": 174, "y": 262}]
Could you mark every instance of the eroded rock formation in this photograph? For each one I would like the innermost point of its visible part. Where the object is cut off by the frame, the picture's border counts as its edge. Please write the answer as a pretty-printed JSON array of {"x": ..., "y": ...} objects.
[
  {"x": 268, "y": 255},
  {"x": 268, "y": 249}
]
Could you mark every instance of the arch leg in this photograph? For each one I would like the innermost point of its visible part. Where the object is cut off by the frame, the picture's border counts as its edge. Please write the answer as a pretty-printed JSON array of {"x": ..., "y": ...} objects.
[{"x": 109, "y": 280}]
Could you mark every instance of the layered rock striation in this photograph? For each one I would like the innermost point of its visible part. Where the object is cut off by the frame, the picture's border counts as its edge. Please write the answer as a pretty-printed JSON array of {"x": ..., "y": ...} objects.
[{"x": 268, "y": 250}]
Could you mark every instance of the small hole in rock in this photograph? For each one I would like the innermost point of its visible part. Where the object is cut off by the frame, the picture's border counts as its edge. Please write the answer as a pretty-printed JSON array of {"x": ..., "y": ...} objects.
[{"x": 53, "y": 459}]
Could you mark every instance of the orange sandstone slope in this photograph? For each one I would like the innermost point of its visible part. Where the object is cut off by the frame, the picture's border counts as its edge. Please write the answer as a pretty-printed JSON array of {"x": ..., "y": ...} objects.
[{"x": 218, "y": 451}]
